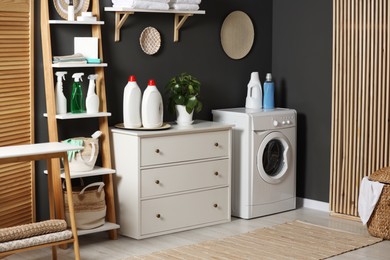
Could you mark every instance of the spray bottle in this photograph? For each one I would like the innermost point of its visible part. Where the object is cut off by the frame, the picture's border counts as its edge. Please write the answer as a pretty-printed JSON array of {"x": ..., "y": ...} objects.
[
  {"x": 70, "y": 11},
  {"x": 60, "y": 97},
  {"x": 77, "y": 101},
  {"x": 92, "y": 101}
]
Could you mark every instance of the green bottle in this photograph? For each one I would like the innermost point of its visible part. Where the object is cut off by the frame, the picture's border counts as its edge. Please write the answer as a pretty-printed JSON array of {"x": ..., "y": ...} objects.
[{"x": 77, "y": 103}]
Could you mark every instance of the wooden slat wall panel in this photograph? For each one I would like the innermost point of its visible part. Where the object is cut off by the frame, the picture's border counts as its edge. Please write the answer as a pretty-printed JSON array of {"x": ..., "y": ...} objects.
[
  {"x": 360, "y": 98},
  {"x": 17, "y": 198}
]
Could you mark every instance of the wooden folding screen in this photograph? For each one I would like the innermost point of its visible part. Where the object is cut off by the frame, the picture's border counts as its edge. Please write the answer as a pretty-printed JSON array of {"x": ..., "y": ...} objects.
[
  {"x": 360, "y": 109},
  {"x": 16, "y": 109}
]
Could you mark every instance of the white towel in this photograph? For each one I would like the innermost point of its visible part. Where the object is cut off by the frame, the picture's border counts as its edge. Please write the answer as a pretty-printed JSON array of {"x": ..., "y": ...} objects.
[
  {"x": 141, "y": 4},
  {"x": 185, "y": 2},
  {"x": 369, "y": 194},
  {"x": 184, "y": 7}
]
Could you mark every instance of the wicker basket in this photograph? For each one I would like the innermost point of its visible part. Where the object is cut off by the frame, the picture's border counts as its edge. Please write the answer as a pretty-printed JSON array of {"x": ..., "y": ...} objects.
[{"x": 379, "y": 223}]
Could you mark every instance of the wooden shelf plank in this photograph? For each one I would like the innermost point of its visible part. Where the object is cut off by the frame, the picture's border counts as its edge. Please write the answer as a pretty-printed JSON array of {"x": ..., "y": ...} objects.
[
  {"x": 79, "y": 116},
  {"x": 106, "y": 227},
  {"x": 78, "y": 65},
  {"x": 97, "y": 171},
  {"x": 76, "y": 22},
  {"x": 170, "y": 11}
]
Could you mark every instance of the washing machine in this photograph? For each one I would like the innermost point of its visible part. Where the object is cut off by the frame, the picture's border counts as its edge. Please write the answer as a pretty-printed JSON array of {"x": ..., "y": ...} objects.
[{"x": 264, "y": 160}]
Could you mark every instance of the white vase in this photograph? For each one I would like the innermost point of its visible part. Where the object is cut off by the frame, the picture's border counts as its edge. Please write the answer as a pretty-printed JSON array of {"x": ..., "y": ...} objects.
[{"x": 183, "y": 117}]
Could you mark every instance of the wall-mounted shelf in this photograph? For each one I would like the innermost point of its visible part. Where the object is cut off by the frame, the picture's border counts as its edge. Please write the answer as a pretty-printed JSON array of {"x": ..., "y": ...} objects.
[
  {"x": 122, "y": 13},
  {"x": 81, "y": 115},
  {"x": 75, "y": 22}
]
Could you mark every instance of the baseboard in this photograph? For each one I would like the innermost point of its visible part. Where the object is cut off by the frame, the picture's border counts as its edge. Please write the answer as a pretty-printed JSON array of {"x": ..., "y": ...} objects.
[{"x": 312, "y": 204}]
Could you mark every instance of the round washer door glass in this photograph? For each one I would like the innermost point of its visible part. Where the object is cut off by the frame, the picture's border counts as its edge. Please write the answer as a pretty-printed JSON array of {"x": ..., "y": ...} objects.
[{"x": 273, "y": 157}]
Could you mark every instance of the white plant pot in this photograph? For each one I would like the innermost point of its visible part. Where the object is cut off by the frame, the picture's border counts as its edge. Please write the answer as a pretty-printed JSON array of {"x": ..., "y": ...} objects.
[{"x": 183, "y": 118}]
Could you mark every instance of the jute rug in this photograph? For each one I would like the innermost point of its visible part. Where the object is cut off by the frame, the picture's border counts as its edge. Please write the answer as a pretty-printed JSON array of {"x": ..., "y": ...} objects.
[{"x": 294, "y": 240}]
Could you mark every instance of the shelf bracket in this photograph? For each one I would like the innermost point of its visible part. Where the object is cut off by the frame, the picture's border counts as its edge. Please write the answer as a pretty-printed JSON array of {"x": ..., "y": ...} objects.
[
  {"x": 119, "y": 21},
  {"x": 179, "y": 21}
]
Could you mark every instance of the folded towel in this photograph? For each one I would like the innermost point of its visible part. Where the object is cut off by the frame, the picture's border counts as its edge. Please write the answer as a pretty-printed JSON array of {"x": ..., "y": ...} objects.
[
  {"x": 185, "y": 2},
  {"x": 369, "y": 194},
  {"x": 77, "y": 57},
  {"x": 141, "y": 4},
  {"x": 184, "y": 7}
]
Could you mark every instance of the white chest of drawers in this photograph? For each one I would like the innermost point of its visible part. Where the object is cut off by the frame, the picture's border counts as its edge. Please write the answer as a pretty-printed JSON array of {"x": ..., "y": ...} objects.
[{"x": 172, "y": 180}]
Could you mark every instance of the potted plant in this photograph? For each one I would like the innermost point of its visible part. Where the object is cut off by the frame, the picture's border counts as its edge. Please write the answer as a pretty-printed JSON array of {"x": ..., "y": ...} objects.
[{"x": 183, "y": 91}]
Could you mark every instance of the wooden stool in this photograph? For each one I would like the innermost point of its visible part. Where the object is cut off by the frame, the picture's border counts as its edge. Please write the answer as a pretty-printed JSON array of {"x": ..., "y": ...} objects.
[{"x": 45, "y": 151}]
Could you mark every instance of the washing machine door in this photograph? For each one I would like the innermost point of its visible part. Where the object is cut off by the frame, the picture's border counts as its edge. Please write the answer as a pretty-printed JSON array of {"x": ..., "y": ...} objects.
[{"x": 273, "y": 157}]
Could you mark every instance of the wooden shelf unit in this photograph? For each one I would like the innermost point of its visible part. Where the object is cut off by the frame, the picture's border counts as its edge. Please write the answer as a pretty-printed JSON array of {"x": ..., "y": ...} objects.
[
  {"x": 52, "y": 117},
  {"x": 122, "y": 13}
]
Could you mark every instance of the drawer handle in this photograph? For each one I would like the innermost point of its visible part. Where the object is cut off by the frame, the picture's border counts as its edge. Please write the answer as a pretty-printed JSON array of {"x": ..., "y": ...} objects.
[
  {"x": 216, "y": 173},
  {"x": 158, "y": 216},
  {"x": 157, "y": 151},
  {"x": 216, "y": 144},
  {"x": 157, "y": 182},
  {"x": 215, "y": 205}
]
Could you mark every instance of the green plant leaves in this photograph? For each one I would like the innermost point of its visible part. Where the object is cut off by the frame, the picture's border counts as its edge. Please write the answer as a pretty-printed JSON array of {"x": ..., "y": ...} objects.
[{"x": 184, "y": 89}]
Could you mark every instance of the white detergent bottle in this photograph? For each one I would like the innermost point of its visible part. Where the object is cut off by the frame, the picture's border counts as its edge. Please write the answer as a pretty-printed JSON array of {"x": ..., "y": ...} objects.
[
  {"x": 92, "y": 100},
  {"x": 152, "y": 107},
  {"x": 132, "y": 104},
  {"x": 60, "y": 97},
  {"x": 254, "y": 98}
]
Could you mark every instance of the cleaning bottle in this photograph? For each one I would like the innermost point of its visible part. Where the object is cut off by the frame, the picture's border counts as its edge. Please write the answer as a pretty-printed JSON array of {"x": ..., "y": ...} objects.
[
  {"x": 269, "y": 91},
  {"x": 92, "y": 100},
  {"x": 254, "y": 99},
  {"x": 132, "y": 104},
  {"x": 70, "y": 11},
  {"x": 152, "y": 107},
  {"x": 77, "y": 101},
  {"x": 60, "y": 97}
]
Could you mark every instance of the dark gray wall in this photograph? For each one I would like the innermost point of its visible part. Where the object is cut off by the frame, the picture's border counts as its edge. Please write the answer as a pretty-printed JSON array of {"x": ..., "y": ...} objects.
[
  {"x": 199, "y": 52},
  {"x": 302, "y": 67}
]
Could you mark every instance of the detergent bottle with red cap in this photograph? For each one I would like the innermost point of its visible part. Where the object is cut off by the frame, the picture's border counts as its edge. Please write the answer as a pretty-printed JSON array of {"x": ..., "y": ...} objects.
[
  {"x": 132, "y": 104},
  {"x": 152, "y": 107}
]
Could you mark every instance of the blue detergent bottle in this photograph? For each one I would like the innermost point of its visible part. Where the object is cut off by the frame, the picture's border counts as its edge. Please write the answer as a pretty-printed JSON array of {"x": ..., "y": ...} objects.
[{"x": 269, "y": 91}]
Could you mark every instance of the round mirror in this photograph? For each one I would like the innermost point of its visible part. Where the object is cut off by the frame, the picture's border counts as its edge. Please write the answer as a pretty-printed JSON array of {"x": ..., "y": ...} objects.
[{"x": 237, "y": 35}]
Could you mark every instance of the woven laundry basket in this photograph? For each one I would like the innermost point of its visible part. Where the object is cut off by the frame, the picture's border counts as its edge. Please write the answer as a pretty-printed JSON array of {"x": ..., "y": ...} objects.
[{"x": 379, "y": 223}]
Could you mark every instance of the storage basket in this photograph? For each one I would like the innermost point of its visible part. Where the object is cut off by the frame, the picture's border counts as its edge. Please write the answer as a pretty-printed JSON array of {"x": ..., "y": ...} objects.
[
  {"x": 379, "y": 223},
  {"x": 84, "y": 160},
  {"x": 89, "y": 206}
]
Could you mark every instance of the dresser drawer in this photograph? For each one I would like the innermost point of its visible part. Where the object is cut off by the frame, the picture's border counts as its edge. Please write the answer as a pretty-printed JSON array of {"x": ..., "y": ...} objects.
[
  {"x": 165, "y": 180},
  {"x": 184, "y": 210},
  {"x": 186, "y": 147}
]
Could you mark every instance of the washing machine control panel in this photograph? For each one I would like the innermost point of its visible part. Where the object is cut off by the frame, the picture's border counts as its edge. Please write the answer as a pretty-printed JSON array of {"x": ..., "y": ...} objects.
[{"x": 283, "y": 121}]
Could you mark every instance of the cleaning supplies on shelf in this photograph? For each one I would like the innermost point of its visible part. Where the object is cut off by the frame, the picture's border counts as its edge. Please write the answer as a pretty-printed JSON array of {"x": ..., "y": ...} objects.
[
  {"x": 60, "y": 97},
  {"x": 132, "y": 104},
  {"x": 254, "y": 97},
  {"x": 77, "y": 101},
  {"x": 152, "y": 107},
  {"x": 92, "y": 100},
  {"x": 70, "y": 11},
  {"x": 269, "y": 91}
]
